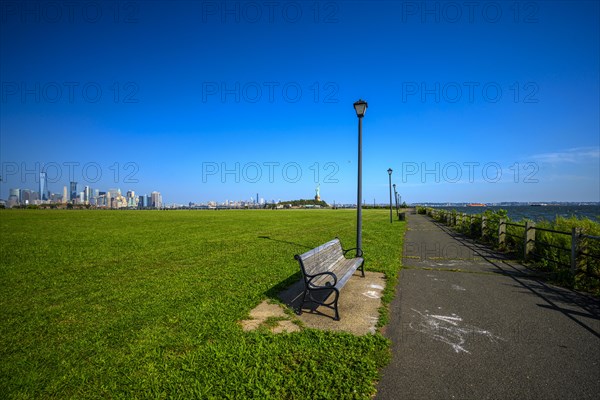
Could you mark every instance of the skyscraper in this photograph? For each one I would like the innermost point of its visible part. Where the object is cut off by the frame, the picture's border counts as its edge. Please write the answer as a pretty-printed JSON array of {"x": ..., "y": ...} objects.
[
  {"x": 73, "y": 191},
  {"x": 13, "y": 198},
  {"x": 156, "y": 200},
  {"x": 87, "y": 194},
  {"x": 65, "y": 196},
  {"x": 108, "y": 199},
  {"x": 26, "y": 196},
  {"x": 43, "y": 186},
  {"x": 131, "y": 199},
  {"x": 15, "y": 194}
]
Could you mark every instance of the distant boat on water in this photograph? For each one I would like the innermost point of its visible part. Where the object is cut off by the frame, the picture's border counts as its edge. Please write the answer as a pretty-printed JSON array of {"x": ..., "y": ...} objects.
[
  {"x": 538, "y": 204},
  {"x": 476, "y": 205}
]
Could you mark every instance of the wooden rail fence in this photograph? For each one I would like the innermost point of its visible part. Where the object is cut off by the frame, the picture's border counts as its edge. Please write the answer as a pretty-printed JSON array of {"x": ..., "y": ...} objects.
[{"x": 479, "y": 226}]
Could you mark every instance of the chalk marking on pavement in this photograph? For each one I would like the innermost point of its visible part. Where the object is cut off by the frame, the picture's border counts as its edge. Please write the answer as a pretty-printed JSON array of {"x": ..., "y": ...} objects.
[{"x": 450, "y": 330}]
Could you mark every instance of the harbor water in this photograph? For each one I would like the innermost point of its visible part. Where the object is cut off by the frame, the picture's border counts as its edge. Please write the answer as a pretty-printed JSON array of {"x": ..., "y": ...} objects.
[{"x": 537, "y": 213}]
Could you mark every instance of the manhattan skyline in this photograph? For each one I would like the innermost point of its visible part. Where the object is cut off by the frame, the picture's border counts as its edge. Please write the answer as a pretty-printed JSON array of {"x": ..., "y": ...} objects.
[{"x": 208, "y": 101}]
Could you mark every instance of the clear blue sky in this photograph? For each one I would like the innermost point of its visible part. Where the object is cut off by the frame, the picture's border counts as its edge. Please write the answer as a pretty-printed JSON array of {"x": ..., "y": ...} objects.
[{"x": 476, "y": 102}]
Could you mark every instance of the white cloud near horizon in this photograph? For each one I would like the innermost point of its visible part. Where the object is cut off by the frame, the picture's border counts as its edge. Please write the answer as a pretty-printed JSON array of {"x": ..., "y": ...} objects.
[{"x": 573, "y": 156}]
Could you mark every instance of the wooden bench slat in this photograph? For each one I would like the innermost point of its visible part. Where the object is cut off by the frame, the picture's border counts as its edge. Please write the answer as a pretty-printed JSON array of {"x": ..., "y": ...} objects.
[{"x": 343, "y": 270}]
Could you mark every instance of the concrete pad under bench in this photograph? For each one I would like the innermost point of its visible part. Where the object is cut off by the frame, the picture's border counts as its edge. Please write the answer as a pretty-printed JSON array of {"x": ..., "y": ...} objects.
[{"x": 359, "y": 304}]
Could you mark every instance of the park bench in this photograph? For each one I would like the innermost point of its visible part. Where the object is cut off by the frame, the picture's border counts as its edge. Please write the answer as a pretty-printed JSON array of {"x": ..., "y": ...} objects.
[{"x": 326, "y": 270}]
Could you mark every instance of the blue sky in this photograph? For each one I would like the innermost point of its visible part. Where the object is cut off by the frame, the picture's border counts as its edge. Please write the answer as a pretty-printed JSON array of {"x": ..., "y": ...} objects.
[{"x": 205, "y": 100}]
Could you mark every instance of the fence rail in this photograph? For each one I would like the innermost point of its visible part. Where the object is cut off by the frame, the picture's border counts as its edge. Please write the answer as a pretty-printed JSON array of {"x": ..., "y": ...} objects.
[{"x": 527, "y": 241}]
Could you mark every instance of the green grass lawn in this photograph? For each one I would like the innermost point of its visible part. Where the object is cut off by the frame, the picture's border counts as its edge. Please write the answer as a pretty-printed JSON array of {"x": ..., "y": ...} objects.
[{"x": 146, "y": 304}]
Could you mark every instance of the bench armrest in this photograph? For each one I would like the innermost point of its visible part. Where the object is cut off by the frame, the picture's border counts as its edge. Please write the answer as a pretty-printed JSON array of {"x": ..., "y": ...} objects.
[
  {"x": 327, "y": 284},
  {"x": 359, "y": 252}
]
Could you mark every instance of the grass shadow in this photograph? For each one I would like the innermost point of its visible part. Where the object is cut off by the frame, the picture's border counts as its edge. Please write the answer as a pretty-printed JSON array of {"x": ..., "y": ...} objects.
[
  {"x": 286, "y": 242},
  {"x": 288, "y": 282}
]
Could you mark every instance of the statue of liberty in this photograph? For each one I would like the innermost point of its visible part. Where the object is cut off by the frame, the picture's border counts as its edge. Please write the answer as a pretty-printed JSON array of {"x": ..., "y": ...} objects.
[{"x": 318, "y": 195}]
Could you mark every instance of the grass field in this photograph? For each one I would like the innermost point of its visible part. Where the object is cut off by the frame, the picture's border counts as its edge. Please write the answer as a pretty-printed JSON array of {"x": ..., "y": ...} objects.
[{"x": 146, "y": 304}]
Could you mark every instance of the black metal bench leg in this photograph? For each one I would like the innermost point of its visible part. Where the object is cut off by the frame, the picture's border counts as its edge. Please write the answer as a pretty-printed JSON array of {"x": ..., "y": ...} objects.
[
  {"x": 299, "y": 308},
  {"x": 362, "y": 269},
  {"x": 335, "y": 305}
]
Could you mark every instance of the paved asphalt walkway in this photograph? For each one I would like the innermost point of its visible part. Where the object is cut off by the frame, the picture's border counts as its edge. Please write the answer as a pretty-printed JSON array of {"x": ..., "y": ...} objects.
[{"x": 467, "y": 323}]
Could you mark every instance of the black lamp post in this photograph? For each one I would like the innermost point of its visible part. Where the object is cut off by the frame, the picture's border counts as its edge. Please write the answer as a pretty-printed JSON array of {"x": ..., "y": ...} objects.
[
  {"x": 396, "y": 198},
  {"x": 361, "y": 108},
  {"x": 390, "y": 175}
]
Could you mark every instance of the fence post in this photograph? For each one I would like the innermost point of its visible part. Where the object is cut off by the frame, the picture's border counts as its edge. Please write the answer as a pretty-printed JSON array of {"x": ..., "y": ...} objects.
[
  {"x": 529, "y": 239},
  {"x": 501, "y": 232},
  {"x": 483, "y": 226},
  {"x": 470, "y": 218},
  {"x": 574, "y": 240}
]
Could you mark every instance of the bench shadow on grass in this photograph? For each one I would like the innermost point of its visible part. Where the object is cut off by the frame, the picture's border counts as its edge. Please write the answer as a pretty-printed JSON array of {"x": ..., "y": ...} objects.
[{"x": 291, "y": 290}]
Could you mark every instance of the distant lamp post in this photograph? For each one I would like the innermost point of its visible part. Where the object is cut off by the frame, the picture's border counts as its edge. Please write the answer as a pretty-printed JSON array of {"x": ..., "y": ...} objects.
[
  {"x": 390, "y": 175},
  {"x": 396, "y": 198},
  {"x": 361, "y": 108}
]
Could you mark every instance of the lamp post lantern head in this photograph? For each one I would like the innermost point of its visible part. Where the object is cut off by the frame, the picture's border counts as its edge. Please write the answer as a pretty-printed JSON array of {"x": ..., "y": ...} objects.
[
  {"x": 390, "y": 171},
  {"x": 394, "y": 185},
  {"x": 361, "y": 108}
]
